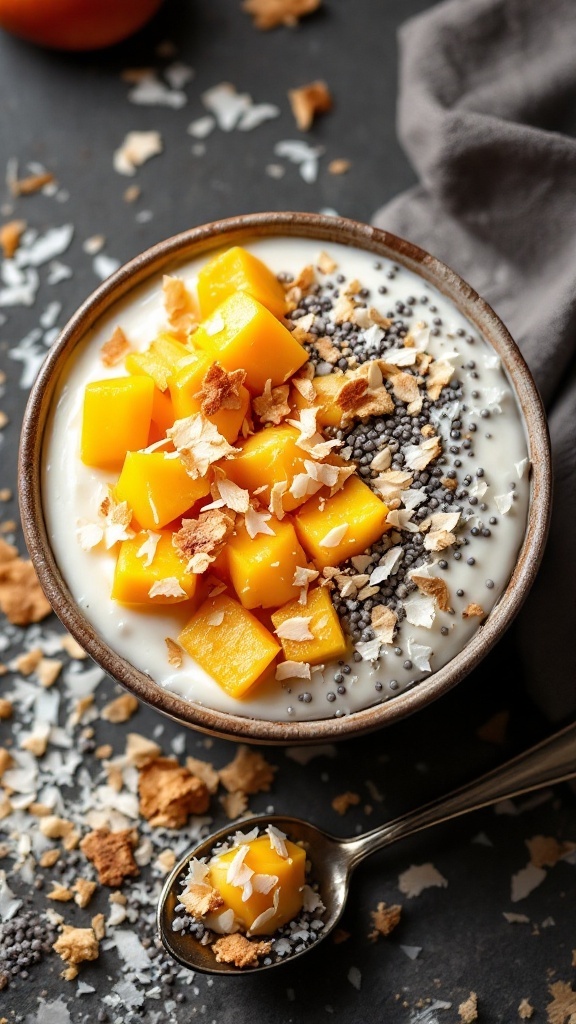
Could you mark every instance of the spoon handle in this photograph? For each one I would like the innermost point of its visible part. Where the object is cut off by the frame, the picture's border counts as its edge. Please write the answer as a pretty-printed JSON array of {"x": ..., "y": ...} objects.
[{"x": 551, "y": 761}]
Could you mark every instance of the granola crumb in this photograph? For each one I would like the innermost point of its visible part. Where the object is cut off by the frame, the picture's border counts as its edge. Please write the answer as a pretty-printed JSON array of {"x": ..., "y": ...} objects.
[
  {"x": 343, "y": 801},
  {"x": 269, "y": 14},
  {"x": 74, "y": 946},
  {"x": 21, "y": 597},
  {"x": 201, "y": 899},
  {"x": 72, "y": 648},
  {"x": 473, "y": 610},
  {"x": 169, "y": 793},
  {"x": 205, "y": 771},
  {"x": 30, "y": 184},
  {"x": 112, "y": 854},
  {"x": 308, "y": 101},
  {"x": 120, "y": 710},
  {"x": 6, "y": 708},
  {"x": 525, "y": 1009},
  {"x": 60, "y": 893},
  {"x": 234, "y": 804},
  {"x": 339, "y": 166},
  {"x": 384, "y": 919},
  {"x": 10, "y": 235},
  {"x": 468, "y": 1010},
  {"x": 83, "y": 891},
  {"x": 239, "y": 951},
  {"x": 249, "y": 772}
]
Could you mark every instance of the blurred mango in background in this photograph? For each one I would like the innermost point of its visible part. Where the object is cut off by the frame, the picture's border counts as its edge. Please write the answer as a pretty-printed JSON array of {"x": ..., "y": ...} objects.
[{"x": 75, "y": 24}]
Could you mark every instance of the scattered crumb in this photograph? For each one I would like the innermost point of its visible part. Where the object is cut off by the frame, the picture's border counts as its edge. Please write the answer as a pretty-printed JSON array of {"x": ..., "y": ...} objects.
[
  {"x": 47, "y": 671},
  {"x": 468, "y": 1010},
  {"x": 562, "y": 1009},
  {"x": 6, "y": 708},
  {"x": 59, "y": 893},
  {"x": 201, "y": 899},
  {"x": 525, "y": 1010},
  {"x": 175, "y": 652},
  {"x": 545, "y": 851},
  {"x": 308, "y": 101},
  {"x": 342, "y": 802},
  {"x": 339, "y": 166},
  {"x": 249, "y": 772},
  {"x": 120, "y": 710},
  {"x": 220, "y": 389},
  {"x": 116, "y": 348},
  {"x": 419, "y": 877},
  {"x": 137, "y": 148},
  {"x": 83, "y": 890},
  {"x": 140, "y": 750},
  {"x": 27, "y": 662},
  {"x": 132, "y": 193},
  {"x": 205, "y": 771},
  {"x": 269, "y": 14},
  {"x": 473, "y": 610},
  {"x": 385, "y": 919},
  {"x": 10, "y": 235},
  {"x": 238, "y": 950},
  {"x": 234, "y": 804},
  {"x": 74, "y": 946},
  {"x": 72, "y": 648},
  {"x": 32, "y": 183},
  {"x": 112, "y": 854},
  {"x": 169, "y": 793},
  {"x": 21, "y": 597}
]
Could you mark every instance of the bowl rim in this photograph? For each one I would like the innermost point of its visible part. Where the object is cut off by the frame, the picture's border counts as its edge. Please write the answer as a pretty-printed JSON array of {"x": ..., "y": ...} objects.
[{"x": 191, "y": 244}]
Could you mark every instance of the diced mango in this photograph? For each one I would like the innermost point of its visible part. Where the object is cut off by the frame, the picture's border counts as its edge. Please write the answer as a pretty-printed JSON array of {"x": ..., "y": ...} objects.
[
  {"x": 162, "y": 411},
  {"x": 134, "y": 578},
  {"x": 329, "y": 641},
  {"x": 243, "y": 335},
  {"x": 157, "y": 488},
  {"x": 263, "y": 860},
  {"x": 159, "y": 360},
  {"x": 262, "y": 568},
  {"x": 116, "y": 419},
  {"x": 184, "y": 388},
  {"x": 237, "y": 270},
  {"x": 269, "y": 457},
  {"x": 229, "y": 643},
  {"x": 354, "y": 506},
  {"x": 329, "y": 412}
]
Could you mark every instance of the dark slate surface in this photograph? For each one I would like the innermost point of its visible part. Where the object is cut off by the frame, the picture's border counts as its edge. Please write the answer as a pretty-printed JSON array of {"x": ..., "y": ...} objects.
[{"x": 69, "y": 113}]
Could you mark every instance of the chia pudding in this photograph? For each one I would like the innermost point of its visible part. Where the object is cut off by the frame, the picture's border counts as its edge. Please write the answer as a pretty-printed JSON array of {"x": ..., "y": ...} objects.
[{"x": 433, "y": 429}]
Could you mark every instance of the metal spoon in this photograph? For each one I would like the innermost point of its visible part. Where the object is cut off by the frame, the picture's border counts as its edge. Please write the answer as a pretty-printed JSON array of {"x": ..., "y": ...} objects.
[{"x": 333, "y": 860}]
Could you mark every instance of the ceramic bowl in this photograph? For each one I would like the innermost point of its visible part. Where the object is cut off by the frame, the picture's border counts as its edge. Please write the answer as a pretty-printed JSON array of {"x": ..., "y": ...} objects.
[{"x": 199, "y": 242}]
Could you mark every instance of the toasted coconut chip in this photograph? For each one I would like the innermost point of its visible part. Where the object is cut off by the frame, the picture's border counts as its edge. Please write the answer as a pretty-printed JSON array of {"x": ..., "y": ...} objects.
[
  {"x": 148, "y": 549},
  {"x": 419, "y": 877},
  {"x": 169, "y": 793},
  {"x": 404, "y": 386},
  {"x": 384, "y": 919},
  {"x": 296, "y": 628},
  {"x": 364, "y": 395},
  {"x": 439, "y": 374},
  {"x": 343, "y": 310},
  {"x": 199, "y": 541},
  {"x": 334, "y": 536},
  {"x": 220, "y": 389},
  {"x": 120, "y": 710},
  {"x": 342, "y": 802},
  {"x": 277, "y": 492},
  {"x": 198, "y": 444},
  {"x": 441, "y": 521},
  {"x": 417, "y": 457},
  {"x": 137, "y": 148},
  {"x": 113, "y": 524},
  {"x": 473, "y": 611},
  {"x": 201, "y": 899},
  {"x": 234, "y": 805},
  {"x": 391, "y": 482},
  {"x": 32, "y": 183},
  {"x": 310, "y": 440},
  {"x": 434, "y": 587},
  {"x": 324, "y": 262},
  {"x": 205, "y": 771},
  {"x": 438, "y": 540},
  {"x": 401, "y": 518},
  {"x": 303, "y": 577},
  {"x": 21, "y": 598},
  {"x": 525, "y": 1009},
  {"x": 292, "y": 670},
  {"x": 116, "y": 348},
  {"x": 272, "y": 405},
  {"x": 10, "y": 235},
  {"x": 235, "y": 497},
  {"x": 60, "y": 893},
  {"x": 308, "y": 101},
  {"x": 168, "y": 587},
  {"x": 339, "y": 166},
  {"x": 175, "y": 652},
  {"x": 236, "y": 949},
  {"x": 248, "y": 772},
  {"x": 327, "y": 351},
  {"x": 383, "y": 621}
]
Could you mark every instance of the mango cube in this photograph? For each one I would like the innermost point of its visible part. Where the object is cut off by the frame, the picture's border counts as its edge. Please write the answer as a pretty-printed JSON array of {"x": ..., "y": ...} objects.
[
  {"x": 116, "y": 419},
  {"x": 134, "y": 578},
  {"x": 328, "y": 639},
  {"x": 158, "y": 488},
  {"x": 237, "y": 270},
  {"x": 159, "y": 360},
  {"x": 334, "y": 529},
  {"x": 329, "y": 412},
  {"x": 184, "y": 388},
  {"x": 162, "y": 411},
  {"x": 243, "y": 335},
  {"x": 263, "y": 860},
  {"x": 262, "y": 568},
  {"x": 229, "y": 643},
  {"x": 271, "y": 456}
]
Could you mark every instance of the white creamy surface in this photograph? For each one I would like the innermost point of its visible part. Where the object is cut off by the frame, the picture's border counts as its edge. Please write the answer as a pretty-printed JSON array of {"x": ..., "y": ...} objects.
[{"x": 72, "y": 492}]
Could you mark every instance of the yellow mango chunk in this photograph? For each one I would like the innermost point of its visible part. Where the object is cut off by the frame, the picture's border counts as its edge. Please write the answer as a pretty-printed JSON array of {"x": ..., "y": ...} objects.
[
  {"x": 271, "y": 456},
  {"x": 184, "y": 388},
  {"x": 116, "y": 419},
  {"x": 157, "y": 488},
  {"x": 243, "y": 335},
  {"x": 262, "y": 568},
  {"x": 328, "y": 639},
  {"x": 229, "y": 643},
  {"x": 329, "y": 412},
  {"x": 320, "y": 523},
  {"x": 237, "y": 270},
  {"x": 159, "y": 360},
  {"x": 162, "y": 411},
  {"x": 134, "y": 578},
  {"x": 263, "y": 860}
]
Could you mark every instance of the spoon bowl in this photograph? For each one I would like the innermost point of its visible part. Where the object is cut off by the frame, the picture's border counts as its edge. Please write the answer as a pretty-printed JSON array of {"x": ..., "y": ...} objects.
[{"x": 333, "y": 860}]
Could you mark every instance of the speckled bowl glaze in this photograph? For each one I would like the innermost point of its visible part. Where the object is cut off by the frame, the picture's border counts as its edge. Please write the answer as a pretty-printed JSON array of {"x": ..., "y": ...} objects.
[{"x": 199, "y": 242}]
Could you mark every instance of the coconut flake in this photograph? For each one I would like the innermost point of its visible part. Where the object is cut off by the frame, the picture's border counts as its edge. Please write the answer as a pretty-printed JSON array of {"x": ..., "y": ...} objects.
[
  {"x": 292, "y": 670},
  {"x": 137, "y": 148},
  {"x": 234, "y": 497},
  {"x": 334, "y": 536},
  {"x": 387, "y": 566},
  {"x": 266, "y": 915},
  {"x": 148, "y": 548},
  {"x": 419, "y": 655},
  {"x": 296, "y": 628},
  {"x": 257, "y": 522},
  {"x": 277, "y": 841},
  {"x": 419, "y": 877},
  {"x": 417, "y": 456},
  {"x": 525, "y": 881},
  {"x": 420, "y": 610},
  {"x": 168, "y": 587},
  {"x": 198, "y": 444},
  {"x": 504, "y": 502}
]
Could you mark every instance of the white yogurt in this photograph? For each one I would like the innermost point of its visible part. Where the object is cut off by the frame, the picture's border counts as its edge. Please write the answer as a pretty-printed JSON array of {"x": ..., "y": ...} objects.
[{"x": 72, "y": 492}]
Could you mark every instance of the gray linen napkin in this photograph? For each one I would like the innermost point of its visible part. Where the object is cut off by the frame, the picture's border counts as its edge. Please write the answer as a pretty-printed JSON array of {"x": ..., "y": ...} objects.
[{"x": 486, "y": 109}]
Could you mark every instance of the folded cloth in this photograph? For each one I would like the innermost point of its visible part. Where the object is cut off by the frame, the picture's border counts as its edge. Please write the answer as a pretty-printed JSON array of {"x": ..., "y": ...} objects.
[{"x": 487, "y": 90}]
